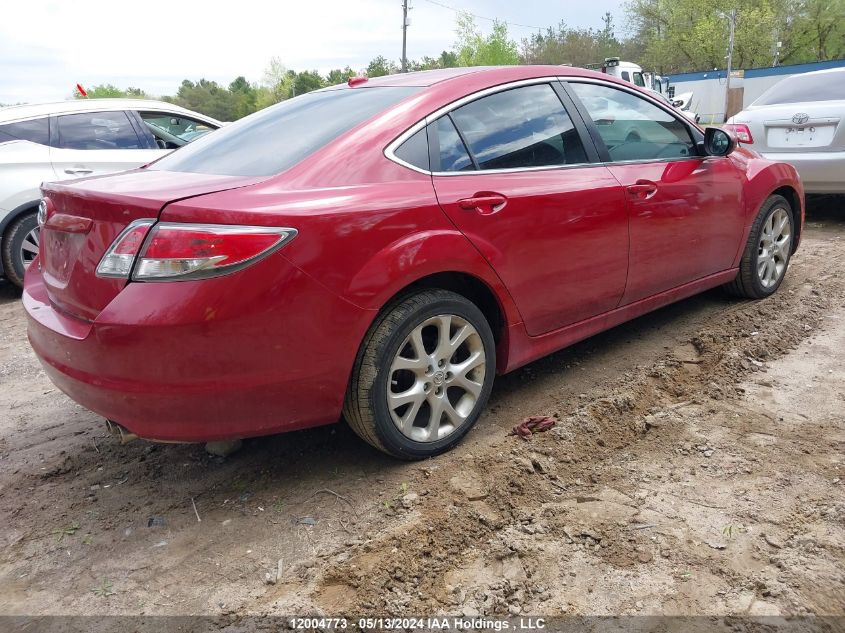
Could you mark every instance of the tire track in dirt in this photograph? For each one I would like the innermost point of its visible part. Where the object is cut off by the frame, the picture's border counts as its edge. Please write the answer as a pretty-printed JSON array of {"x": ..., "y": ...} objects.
[{"x": 479, "y": 527}]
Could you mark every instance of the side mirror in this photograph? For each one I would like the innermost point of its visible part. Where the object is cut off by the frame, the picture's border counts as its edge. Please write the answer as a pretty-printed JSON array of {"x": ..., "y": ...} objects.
[{"x": 719, "y": 142}]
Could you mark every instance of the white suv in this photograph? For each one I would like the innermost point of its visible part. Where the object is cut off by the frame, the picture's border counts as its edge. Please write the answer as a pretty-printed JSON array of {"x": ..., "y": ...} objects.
[{"x": 72, "y": 139}]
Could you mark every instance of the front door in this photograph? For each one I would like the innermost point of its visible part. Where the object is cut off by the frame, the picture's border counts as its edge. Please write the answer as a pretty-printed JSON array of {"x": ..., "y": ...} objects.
[
  {"x": 686, "y": 210},
  {"x": 515, "y": 178}
]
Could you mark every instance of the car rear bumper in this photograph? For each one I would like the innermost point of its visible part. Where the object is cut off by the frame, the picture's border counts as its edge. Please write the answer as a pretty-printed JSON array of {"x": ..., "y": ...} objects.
[
  {"x": 821, "y": 172},
  {"x": 205, "y": 360}
]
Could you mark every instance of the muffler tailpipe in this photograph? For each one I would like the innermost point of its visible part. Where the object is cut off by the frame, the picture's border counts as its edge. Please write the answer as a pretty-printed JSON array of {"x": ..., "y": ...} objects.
[{"x": 120, "y": 433}]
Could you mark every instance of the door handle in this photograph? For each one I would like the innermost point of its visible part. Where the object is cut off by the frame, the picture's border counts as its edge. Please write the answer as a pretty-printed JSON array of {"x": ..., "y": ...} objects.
[
  {"x": 642, "y": 190},
  {"x": 78, "y": 172},
  {"x": 485, "y": 203}
]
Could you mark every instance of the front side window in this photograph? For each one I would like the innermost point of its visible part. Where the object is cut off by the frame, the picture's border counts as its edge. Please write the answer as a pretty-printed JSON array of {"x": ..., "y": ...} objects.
[
  {"x": 34, "y": 131},
  {"x": 97, "y": 130},
  {"x": 638, "y": 80},
  {"x": 276, "y": 138},
  {"x": 519, "y": 128},
  {"x": 633, "y": 128}
]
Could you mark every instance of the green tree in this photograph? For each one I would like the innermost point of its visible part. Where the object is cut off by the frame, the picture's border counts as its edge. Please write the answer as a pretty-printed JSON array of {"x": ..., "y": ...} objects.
[
  {"x": 243, "y": 97},
  {"x": 472, "y": 48},
  {"x": 102, "y": 91},
  {"x": 447, "y": 59},
  {"x": 684, "y": 35},
  {"x": 339, "y": 76},
  {"x": 381, "y": 66}
]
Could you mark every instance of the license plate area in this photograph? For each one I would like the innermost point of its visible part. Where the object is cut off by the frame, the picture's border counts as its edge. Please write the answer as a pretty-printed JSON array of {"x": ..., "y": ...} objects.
[{"x": 784, "y": 136}]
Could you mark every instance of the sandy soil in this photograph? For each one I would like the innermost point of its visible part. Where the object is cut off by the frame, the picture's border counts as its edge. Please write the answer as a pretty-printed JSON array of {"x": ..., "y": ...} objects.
[{"x": 696, "y": 468}]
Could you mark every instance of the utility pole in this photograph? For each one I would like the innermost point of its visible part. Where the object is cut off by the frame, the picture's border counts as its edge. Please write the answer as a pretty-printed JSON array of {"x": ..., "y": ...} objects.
[
  {"x": 732, "y": 18},
  {"x": 404, "y": 36}
]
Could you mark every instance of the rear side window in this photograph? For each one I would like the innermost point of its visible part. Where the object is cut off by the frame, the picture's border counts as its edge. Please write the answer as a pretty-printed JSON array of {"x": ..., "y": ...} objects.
[
  {"x": 34, "y": 131},
  {"x": 414, "y": 151},
  {"x": 453, "y": 153},
  {"x": 519, "y": 128},
  {"x": 276, "y": 138},
  {"x": 97, "y": 130}
]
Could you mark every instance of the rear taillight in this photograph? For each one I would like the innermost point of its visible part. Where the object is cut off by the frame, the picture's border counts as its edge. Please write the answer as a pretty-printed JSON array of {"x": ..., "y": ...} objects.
[
  {"x": 175, "y": 252},
  {"x": 743, "y": 134},
  {"x": 118, "y": 260}
]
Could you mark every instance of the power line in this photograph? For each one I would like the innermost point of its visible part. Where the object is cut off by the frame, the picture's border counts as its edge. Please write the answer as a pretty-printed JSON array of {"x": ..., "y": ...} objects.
[{"x": 482, "y": 17}]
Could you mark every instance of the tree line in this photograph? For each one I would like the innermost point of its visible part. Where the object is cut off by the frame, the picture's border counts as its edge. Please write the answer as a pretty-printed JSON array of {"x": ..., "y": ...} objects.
[{"x": 666, "y": 36}]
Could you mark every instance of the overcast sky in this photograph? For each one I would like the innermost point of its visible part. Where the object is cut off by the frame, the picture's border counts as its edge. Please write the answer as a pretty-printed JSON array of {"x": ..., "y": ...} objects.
[{"x": 48, "y": 46}]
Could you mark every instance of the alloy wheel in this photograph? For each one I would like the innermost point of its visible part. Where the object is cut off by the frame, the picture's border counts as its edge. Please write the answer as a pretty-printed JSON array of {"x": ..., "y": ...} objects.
[
  {"x": 436, "y": 378},
  {"x": 29, "y": 247},
  {"x": 774, "y": 248}
]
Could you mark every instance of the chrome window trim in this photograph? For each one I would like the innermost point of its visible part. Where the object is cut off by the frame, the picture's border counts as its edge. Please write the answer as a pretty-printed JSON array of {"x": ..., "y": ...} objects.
[{"x": 389, "y": 150}]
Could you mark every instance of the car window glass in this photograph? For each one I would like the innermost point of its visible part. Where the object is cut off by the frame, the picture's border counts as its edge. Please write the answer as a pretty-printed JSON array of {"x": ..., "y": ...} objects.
[
  {"x": 638, "y": 80},
  {"x": 801, "y": 88},
  {"x": 519, "y": 128},
  {"x": 276, "y": 138},
  {"x": 453, "y": 152},
  {"x": 162, "y": 124},
  {"x": 631, "y": 127},
  {"x": 626, "y": 76},
  {"x": 34, "y": 130},
  {"x": 97, "y": 130},
  {"x": 414, "y": 151}
]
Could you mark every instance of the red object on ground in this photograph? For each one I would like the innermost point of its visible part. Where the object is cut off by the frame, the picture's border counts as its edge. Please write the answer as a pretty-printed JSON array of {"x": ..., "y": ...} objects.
[
  {"x": 531, "y": 425},
  {"x": 267, "y": 344}
]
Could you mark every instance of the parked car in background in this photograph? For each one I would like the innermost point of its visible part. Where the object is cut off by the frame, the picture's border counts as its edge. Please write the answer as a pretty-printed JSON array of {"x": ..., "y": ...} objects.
[
  {"x": 692, "y": 116},
  {"x": 69, "y": 139},
  {"x": 384, "y": 248},
  {"x": 801, "y": 121}
]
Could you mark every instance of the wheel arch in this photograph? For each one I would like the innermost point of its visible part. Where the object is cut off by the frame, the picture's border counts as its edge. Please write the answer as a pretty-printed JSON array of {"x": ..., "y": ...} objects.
[
  {"x": 794, "y": 200},
  {"x": 470, "y": 286}
]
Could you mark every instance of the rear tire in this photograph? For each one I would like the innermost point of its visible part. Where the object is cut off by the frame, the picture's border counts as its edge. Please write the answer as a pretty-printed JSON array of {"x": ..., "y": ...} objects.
[
  {"x": 415, "y": 391},
  {"x": 767, "y": 252},
  {"x": 17, "y": 247}
]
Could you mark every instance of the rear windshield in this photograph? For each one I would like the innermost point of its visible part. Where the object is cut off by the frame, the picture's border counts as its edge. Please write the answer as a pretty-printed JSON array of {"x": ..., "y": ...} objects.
[
  {"x": 801, "y": 88},
  {"x": 272, "y": 140}
]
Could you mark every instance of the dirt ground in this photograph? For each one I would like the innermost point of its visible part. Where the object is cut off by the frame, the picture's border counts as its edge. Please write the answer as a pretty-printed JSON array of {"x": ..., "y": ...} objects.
[{"x": 696, "y": 468}]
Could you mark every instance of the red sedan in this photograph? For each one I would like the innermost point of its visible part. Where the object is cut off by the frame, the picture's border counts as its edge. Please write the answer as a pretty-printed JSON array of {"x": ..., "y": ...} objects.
[{"x": 380, "y": 250}]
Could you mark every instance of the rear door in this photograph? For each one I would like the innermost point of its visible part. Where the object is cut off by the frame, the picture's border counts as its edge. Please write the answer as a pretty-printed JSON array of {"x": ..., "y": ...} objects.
[
  {"x": 93, "y": 143},
  {"x": 513, "y": 172},
  {"x": 687, "y": 215}
]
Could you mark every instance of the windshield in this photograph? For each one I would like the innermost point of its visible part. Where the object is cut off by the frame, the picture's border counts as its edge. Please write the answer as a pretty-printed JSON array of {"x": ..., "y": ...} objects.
[
  {"x": 276, "y": 138},
  {"x": 828, "y": 86}
]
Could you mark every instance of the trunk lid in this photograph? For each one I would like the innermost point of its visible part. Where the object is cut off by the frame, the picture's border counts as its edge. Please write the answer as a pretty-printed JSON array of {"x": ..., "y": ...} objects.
[
  {"x": 87, "y": 215},
  {"x": 796, "y": 127}
]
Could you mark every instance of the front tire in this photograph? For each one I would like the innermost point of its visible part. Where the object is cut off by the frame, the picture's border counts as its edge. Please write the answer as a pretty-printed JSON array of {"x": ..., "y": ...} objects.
[
  {"x": 422, "y": 376},
  {"x": 767, "y": 252},
  {"x": 20, "y": 246}
]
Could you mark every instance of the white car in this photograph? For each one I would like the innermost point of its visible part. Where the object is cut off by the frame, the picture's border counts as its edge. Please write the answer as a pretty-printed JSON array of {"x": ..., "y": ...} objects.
[
  {"x": 72, "y": 139},
  {"x": 801, "y": 121}
]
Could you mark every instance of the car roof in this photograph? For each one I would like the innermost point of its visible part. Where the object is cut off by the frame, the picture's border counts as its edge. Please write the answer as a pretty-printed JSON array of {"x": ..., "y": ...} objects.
[
  {"x": 29, "y": 111},
  {"x": 425, "y": 78}
]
